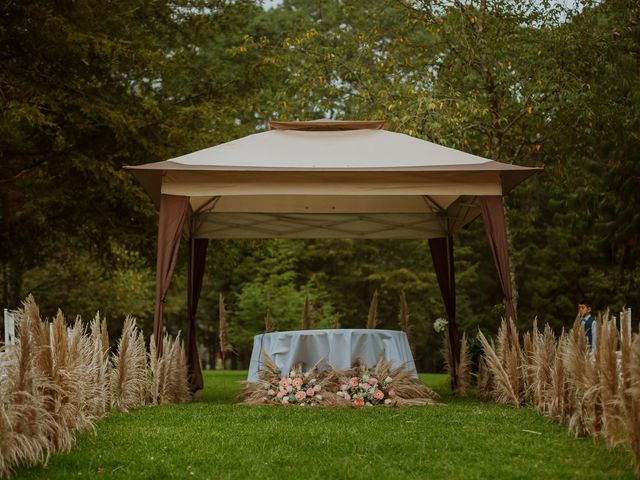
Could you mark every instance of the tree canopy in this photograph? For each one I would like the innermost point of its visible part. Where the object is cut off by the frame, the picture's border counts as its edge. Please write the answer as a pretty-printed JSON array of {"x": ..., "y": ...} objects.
[{"x": 87, "y": 89}]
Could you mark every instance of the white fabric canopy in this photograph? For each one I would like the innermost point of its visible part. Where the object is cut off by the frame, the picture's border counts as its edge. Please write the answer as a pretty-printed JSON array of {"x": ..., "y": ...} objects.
[{"x": 329, "y": 179}]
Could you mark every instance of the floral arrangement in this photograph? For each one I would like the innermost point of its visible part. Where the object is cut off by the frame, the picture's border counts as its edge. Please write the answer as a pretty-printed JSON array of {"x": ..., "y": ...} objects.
[
  {"x": 367, "y": 390},
  {"x": 440, "y": 324},
  {"x": 358, "y": 386},
  {"x": 296, "y": 389}
]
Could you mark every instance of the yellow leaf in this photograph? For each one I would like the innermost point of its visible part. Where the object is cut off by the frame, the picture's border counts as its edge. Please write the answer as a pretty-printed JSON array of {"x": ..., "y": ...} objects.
[{"x": 529, "y": 109}]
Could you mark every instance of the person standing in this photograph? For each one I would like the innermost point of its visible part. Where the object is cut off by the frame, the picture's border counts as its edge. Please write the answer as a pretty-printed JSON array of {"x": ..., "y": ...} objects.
[{"x": 588, "y": 322}]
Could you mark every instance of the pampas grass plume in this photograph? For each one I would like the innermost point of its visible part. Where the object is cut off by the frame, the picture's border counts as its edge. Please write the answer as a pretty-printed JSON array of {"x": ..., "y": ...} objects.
[{"x": 372, "y": 319}]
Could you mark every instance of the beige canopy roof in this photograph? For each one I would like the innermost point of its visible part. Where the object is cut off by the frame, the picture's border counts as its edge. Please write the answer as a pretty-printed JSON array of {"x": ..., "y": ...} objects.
[{"x": 329, "y": 179}]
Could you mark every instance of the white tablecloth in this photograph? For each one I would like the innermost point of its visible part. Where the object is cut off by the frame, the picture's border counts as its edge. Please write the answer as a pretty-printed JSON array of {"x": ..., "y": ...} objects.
[{"x": 340, "y": 347}]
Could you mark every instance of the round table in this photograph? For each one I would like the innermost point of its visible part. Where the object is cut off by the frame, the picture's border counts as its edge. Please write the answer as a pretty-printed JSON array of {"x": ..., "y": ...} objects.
[{"x": 340, "y": 347}]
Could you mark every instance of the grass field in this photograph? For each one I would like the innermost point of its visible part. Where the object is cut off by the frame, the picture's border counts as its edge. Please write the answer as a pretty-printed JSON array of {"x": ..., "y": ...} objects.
[{"x": 218, "y": 439}]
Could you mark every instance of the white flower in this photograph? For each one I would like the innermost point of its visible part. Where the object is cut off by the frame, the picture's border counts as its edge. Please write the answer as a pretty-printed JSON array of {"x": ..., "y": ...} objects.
[
  {"x": 388, "y": 380},
  {"x": 440, "y": 324},
  {"x": 387, "y": 401}
]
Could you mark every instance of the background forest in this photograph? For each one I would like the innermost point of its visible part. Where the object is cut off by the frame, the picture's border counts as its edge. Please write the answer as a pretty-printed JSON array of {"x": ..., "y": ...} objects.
[{"x": 88, "y": 87}]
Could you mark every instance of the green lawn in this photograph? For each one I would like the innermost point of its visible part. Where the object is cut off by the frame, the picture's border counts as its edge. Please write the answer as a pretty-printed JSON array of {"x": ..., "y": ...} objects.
[{"x": 215, "y": 438}]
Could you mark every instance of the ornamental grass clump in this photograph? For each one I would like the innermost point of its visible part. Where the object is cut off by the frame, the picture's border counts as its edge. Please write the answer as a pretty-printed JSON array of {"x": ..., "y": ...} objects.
[
  {"x": 26, "y": 425},
  {"x": 57, "y": 380},
  {"x": 169, "y": 380},
  {"x": 595, "y": 393},
  {"x": 505, "y": 364},
  {"x": 130, "y": 369}
]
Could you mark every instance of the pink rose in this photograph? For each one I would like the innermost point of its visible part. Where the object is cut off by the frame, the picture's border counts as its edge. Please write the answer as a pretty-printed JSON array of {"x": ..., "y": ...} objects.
[
  {"x": 301, "y": 395},
  {"x": 310, "y": 392},
  {"x": 271, "y": 392},
  {"x": 317, "y": 388},
  {"x": 284, "y": 382},
  {"x": 378, "y": 394},
  {"x": 354, "y": 381},
  {"x": 358, "y": 402},
  {"x": 372, "y": 381},
  {"x": 281, "y": 394},
  {"x": 289, "y": 388},
  {"x": 297, "y": 382},
  {"x": 391, "y": 393}
]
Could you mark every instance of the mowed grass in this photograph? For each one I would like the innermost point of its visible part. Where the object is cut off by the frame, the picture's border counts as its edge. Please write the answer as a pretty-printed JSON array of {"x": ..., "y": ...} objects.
[{"x": 219, "y": 439}]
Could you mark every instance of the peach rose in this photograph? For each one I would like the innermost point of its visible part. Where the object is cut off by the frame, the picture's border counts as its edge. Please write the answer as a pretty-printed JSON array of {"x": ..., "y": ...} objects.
[
  {"x": 297, "y": 382},
  {"x": 391, "y": 393},
  {"x": 281, "y": 394},
  {"x": 358, "y": 402},
  {"x": 301, "y": 395},
  {"x": 310, "y": 392},
  {"x": 372, "y": 381},
  {"x": 378, "y": 394},
  {"x": 354, "y": 381},
  {"x": 284, "y": 382},
  {"x": 271, "y": 392}
]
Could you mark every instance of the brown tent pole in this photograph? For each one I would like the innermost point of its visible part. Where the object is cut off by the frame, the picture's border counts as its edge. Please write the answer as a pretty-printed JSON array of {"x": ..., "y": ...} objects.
[
  {"x": 442, "y": 255},
  {"x": 496, "y": 228},
  {"x": 173, "y": 213},
  {"x": 197, "y": 255}
]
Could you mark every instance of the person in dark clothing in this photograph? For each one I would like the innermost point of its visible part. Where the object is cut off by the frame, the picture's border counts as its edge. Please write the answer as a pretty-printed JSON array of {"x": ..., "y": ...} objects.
[{"x": 588, "y": 322}]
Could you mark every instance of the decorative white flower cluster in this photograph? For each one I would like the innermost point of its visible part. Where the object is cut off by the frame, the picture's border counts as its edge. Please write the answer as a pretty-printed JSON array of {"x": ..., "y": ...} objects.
[
  {"x": 440, "y": 324},
  {"x": 366, "y": 390},
  {"x": 296, "y": 389}
]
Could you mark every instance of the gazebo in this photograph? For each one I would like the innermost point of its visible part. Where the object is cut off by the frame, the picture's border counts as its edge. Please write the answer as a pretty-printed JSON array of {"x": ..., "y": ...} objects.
[{"x": 325, "y": 179}]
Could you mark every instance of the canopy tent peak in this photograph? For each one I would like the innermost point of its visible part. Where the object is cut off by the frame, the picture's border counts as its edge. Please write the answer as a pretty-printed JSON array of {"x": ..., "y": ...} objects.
[{"x": 327, "y": 124}]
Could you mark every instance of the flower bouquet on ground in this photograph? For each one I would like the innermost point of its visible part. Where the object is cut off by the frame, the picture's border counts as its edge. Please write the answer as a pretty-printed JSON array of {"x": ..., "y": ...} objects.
[
  {"x": 293, "y": 388},
  {"x": 381, "y": 385}
]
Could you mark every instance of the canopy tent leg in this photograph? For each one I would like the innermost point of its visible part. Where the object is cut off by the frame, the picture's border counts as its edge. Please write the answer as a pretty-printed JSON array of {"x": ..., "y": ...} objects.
[
  {"x": 496, "y": 228},
  {"x": 197, "y": 255},
  {"x": 442, "y": 255},
  {"x": 173, "y": 213}
]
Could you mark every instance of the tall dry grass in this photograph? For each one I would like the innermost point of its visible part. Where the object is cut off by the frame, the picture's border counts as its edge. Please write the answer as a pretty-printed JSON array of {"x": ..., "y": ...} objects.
[
  {"x": 225, "y": 345},
  {"x": 463, "y": 371},
  {"x": 57, "y": 380},
  {"x": 506, "y": 365},
  {"x": 594, "y": 394},
  {"x": 372, "y": 317},
  {"x": 630, "y": 385},
  {"x": 464, "y": 368},
  {"x": 26, "y": 425},
  {"x": 403, "y": 321},
  {"x": 169, "y": 380},
  {"x": 130, "y": 368}
]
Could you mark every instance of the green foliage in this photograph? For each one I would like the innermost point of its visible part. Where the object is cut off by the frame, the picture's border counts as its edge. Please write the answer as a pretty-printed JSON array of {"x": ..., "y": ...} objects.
[{"x": 87, "y": 89}]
